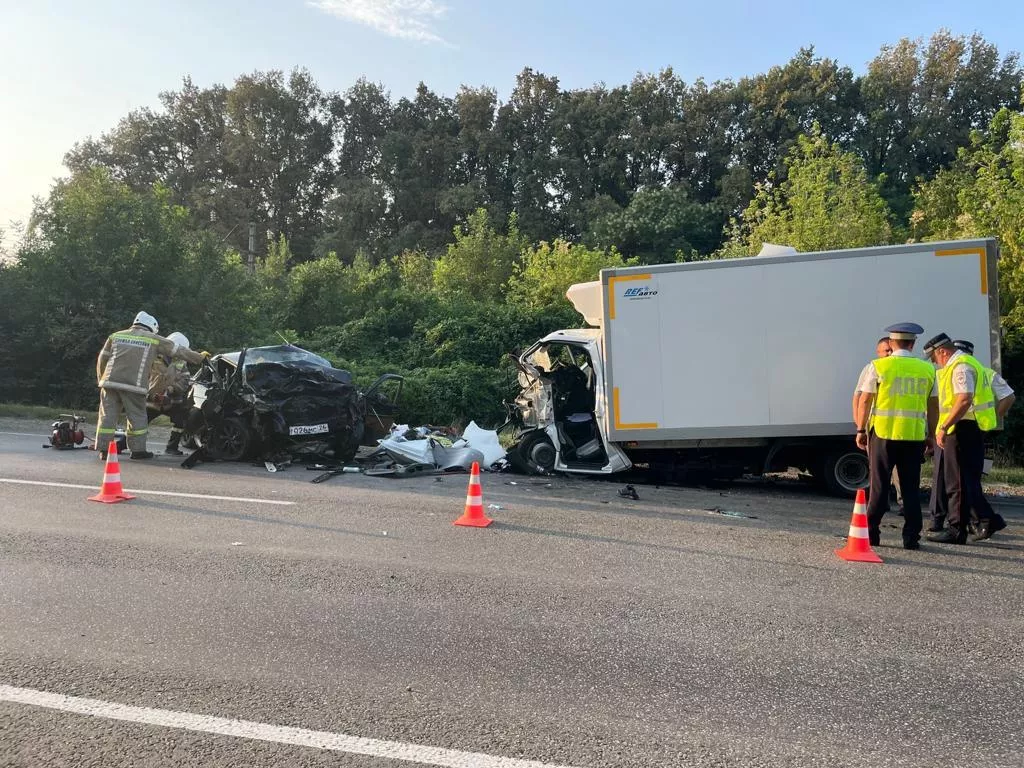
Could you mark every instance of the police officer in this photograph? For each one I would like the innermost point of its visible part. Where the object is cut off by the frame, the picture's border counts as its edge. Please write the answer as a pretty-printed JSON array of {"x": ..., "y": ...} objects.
[
  {"x": 967, "y": 411},
  {"x": 896, "y": 417},
  {"x": 122, "y": 373},
  {"x": 882, "y": 349},
  {"x": 1005, "y": 399}
]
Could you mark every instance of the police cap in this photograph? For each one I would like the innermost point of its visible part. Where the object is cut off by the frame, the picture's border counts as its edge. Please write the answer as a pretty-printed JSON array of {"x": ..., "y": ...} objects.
[
  {"x": 942, "y": 340},
  {"x": 964, "y": 346},
  {"x": 904, "y": 331}
]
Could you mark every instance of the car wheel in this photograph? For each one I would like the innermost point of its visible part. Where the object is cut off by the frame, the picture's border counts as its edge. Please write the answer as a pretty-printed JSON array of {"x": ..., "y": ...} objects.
[
  {"x": 229, "y": 440},
  {"x": 845, "y": 471}
]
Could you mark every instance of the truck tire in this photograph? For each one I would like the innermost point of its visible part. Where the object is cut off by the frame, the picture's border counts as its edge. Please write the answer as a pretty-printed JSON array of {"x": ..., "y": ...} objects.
[
  {"x": 534, "y": 454},
  {"x": 844, "y": 471}
]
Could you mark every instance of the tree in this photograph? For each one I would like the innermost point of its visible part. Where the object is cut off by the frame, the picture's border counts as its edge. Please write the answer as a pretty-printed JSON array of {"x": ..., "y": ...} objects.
[
  {"x": 661, "y": 225},
  {"x": 546, "y": 272},
  {"x": 97, "y": 253},
  {"x": 826, "y": 201},
  {"x": 921, "y": 102},
  {"x": 480, "y": 262}
]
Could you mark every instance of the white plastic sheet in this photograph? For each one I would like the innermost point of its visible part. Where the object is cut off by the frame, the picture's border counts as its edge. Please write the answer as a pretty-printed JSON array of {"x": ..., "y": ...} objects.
[{"x": 485, "y": 441}]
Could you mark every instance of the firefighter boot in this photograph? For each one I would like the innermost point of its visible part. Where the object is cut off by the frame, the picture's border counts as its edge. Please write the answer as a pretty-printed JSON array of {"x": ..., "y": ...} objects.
[{"x": 172, "y": 448}]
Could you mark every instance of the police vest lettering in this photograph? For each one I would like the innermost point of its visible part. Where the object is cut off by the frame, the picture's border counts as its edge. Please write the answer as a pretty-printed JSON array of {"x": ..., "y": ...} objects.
[{"x": 901, "y": 404}]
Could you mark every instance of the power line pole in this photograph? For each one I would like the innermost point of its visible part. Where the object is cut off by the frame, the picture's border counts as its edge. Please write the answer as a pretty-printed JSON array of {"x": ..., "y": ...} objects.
[{"x": 252, "y": 247}]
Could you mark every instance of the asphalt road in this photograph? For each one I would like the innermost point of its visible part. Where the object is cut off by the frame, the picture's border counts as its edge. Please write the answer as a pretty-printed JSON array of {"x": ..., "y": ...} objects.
[{"x": 580, "y": 629}]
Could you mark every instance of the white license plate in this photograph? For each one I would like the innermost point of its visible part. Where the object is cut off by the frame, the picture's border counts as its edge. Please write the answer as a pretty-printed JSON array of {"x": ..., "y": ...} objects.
[{"x": 310, "y": 429}]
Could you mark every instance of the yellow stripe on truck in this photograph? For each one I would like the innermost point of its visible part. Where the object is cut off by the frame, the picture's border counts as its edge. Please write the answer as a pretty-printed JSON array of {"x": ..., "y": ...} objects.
[{"x": 982, "y": 257}]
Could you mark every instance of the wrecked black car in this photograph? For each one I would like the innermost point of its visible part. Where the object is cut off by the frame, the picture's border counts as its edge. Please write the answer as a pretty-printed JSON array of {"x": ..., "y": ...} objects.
[{"x": 284, "y": 401}]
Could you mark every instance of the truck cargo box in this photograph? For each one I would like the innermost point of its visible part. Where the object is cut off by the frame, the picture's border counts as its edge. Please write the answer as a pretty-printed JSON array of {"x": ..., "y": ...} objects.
[{"x": 771, "y": 346}]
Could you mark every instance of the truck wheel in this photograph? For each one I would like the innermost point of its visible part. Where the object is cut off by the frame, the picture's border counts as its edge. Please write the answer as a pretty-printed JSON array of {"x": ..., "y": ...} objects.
[
  {"x": 845, "y": 471},
  {"x": 536, "y": 453}
]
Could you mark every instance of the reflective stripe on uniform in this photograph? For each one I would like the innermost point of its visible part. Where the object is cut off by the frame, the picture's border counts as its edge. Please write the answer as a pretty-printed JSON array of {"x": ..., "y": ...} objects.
[
  {"x": 129, "y": 338},
  {"x": 901, "y": 414},
  {"x": 106, "y": 430}
]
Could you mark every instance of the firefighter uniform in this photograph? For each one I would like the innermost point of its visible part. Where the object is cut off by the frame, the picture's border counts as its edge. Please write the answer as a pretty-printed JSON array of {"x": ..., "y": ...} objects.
[
  {"x": 963, "y": 456},
  {"x": 168, "y": 386},
  {"x": 122, "y": 374},
  {"x": 897, "y": 431}
]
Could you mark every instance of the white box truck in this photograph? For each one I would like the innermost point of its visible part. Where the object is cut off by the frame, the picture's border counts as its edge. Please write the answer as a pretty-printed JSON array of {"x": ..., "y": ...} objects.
[{"x": 739, "y": 366}]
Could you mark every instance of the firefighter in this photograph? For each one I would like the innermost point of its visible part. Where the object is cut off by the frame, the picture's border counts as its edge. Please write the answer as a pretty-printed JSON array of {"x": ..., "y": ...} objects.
[
  {"x": 122, "y": 374},
  {"x": 968, "y": 411},
  {"x": 168, "y": 388},
  {"x": 896, "y": 416}
]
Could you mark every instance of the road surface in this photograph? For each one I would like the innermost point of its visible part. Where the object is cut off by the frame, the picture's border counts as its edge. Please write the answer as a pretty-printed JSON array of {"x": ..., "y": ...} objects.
[{"x": 350, "y": 624}]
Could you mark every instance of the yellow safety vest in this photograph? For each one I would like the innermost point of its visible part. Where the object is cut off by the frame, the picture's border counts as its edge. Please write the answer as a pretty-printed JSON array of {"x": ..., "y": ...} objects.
[
  {"x": 901, "y": 405},
  {"x": 984, "y": 405}
]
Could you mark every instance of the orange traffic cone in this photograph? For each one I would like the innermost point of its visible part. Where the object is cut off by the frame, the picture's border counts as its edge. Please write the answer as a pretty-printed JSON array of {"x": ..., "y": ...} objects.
[
  {"x": 111, "y": 492},
  {"x": 474, "y": 515},
  {"x": 858, "y": 549}
]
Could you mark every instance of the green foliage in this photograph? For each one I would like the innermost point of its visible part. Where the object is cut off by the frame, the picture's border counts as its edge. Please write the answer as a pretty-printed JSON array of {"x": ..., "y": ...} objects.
[
  {"x": 546, "y": 272},
  {"x": 826, "y": 201},
  {"x": 480, "y": 261},
  {"x": 661, "y": 225},
  {"x": 430, "y": 235}
]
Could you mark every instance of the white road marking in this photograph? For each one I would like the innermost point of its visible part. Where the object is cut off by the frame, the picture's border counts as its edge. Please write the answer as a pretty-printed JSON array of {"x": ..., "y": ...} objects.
[
  {"x": 23, "y": 434},
  {"x": 153, "y": 493},
  {"x": 245, "y": 729}
]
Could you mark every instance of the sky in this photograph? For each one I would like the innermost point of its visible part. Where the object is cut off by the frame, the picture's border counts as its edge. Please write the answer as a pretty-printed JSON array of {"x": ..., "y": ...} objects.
[{"x": 73, "y": 68}]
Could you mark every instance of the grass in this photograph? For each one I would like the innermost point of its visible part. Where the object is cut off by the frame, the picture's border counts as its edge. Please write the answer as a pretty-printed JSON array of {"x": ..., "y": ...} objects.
[{"x": 20, "y": 411}]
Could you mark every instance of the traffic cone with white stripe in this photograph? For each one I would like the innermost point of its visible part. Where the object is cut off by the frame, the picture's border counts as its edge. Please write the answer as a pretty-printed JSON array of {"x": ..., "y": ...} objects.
[
  {"x": 858, "y": 547},
  {"x": 474, "y": 515},
  {"x": 111, "y": 492}
]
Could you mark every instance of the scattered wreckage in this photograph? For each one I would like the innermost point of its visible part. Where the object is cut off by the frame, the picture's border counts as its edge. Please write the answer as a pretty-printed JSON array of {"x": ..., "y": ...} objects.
[
  {"x": 283, "y": 403},
  {"x": 433, "y": 450}
]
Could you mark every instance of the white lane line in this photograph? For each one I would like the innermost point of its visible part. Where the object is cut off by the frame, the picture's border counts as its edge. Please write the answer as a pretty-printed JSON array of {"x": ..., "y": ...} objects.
[
  {"x": 245, "y": 729},
  {"x": 153, "y": 493}
]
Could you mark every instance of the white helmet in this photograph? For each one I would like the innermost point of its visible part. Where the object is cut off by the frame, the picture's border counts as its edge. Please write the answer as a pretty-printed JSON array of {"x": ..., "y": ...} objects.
[
  {"x": 146, "y": 319},
  {"x": 179, "y": 338}
]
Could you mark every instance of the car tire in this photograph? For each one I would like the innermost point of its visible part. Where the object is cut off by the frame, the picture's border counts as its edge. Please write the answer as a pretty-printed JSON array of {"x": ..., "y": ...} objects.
[
  {"x": 229, "y": 440},
  {"x": 844, "y": 471}
]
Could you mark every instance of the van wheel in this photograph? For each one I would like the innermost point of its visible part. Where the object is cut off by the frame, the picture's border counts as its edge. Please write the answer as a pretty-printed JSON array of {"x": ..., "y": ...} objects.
[
  {"x": 535, "y": 454},
  {"x": 844, "y": 471}
]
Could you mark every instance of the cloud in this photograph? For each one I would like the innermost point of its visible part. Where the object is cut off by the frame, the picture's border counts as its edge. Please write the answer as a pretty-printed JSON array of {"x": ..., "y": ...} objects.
[{"x": 407, "y": 19}]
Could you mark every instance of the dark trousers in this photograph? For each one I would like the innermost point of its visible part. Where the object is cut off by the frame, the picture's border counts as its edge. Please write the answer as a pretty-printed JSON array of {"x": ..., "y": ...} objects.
[
  {"x": 963, "y": 460},
  {"x": 938, "y": 503},
  {"x": 177, "y": 413},
  {"x": 905, "y": 456}
]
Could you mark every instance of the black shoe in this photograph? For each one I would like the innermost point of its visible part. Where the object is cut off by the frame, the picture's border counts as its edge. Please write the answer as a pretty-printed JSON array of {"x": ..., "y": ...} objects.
[
  {"x": 947, "y": 537},
  {"x": 874, "y": 538},
  {"x": 998, "y": 523},
  {"x": 173, "y": 452},
  {"x": 911, "y": 544},
  {"x": 138, "y": 455}
]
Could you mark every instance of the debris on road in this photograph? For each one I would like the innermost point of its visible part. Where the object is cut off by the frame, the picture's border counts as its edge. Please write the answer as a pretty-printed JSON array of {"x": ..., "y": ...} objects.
[
  {"x": 729, "y": 513},
  {"x": 428, "y": 450},
  {"x": 629, "y": 492}
]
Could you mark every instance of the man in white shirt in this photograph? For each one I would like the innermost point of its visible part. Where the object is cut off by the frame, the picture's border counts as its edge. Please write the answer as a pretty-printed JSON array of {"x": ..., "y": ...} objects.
[{"x": 883, "y": 348}]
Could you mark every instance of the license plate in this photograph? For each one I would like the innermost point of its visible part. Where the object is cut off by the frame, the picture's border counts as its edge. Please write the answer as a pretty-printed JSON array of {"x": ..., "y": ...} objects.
[{"x": 309, "y": 429}]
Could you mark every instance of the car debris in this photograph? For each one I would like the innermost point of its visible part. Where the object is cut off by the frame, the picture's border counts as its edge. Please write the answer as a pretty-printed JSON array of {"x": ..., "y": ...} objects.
[
  {"x": 629, "y": 492},
  {"x": 422, "y": 450},
  {"x": 281, "y": 404}
]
